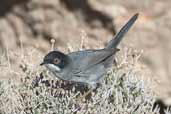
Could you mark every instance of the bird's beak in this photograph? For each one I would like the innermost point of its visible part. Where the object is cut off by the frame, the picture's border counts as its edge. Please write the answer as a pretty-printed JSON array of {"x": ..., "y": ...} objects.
[{"x": 42, "y": 63}]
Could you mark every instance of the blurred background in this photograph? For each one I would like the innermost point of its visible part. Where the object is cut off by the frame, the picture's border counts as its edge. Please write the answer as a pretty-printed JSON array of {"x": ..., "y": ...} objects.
[{"x": 33, "y": 23}]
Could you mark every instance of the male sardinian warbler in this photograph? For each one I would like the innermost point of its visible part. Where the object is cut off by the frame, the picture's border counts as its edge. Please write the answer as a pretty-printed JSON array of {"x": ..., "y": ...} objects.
[{"x": 86, "y": 66}]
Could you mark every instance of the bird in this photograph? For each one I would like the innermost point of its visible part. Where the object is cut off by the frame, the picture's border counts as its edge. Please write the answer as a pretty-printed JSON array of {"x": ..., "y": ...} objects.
[{"x": 87, "y": 66}]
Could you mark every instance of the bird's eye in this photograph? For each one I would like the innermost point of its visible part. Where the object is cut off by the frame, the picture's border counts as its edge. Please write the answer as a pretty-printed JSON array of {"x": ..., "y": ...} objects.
[{"x": 56, "y": 61}]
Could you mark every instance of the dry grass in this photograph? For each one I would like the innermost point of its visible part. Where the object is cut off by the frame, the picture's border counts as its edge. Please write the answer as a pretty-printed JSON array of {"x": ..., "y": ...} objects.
[{"x": 38, "y": 92}]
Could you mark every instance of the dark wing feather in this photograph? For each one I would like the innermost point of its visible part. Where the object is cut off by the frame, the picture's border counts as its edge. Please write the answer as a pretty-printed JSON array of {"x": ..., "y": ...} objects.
[{"x": 86, "y": 59}]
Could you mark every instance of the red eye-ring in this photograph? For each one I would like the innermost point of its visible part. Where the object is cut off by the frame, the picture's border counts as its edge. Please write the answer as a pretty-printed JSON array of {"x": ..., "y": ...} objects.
[{"x": 56, "y": 61}]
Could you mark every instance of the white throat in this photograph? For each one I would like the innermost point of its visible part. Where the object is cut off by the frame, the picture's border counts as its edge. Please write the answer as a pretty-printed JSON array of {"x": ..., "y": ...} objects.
[{"x": 53, "y": 68}]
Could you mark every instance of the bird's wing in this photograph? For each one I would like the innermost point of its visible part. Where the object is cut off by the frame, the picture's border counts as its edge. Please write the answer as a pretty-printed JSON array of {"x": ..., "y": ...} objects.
[{"x": 83, "y": 60}]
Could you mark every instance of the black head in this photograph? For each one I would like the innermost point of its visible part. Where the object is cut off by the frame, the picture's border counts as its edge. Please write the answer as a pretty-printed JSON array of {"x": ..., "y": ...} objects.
[{"x": 56, "y": 58}]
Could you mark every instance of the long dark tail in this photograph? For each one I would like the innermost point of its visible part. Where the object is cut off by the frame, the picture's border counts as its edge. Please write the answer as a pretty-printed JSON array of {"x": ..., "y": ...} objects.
[{"x": 115, "y": 41}]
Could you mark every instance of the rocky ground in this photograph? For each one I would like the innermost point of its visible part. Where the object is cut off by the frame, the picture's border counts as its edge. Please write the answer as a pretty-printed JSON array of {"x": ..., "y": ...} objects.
[{"x": 33, "y": 23}]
